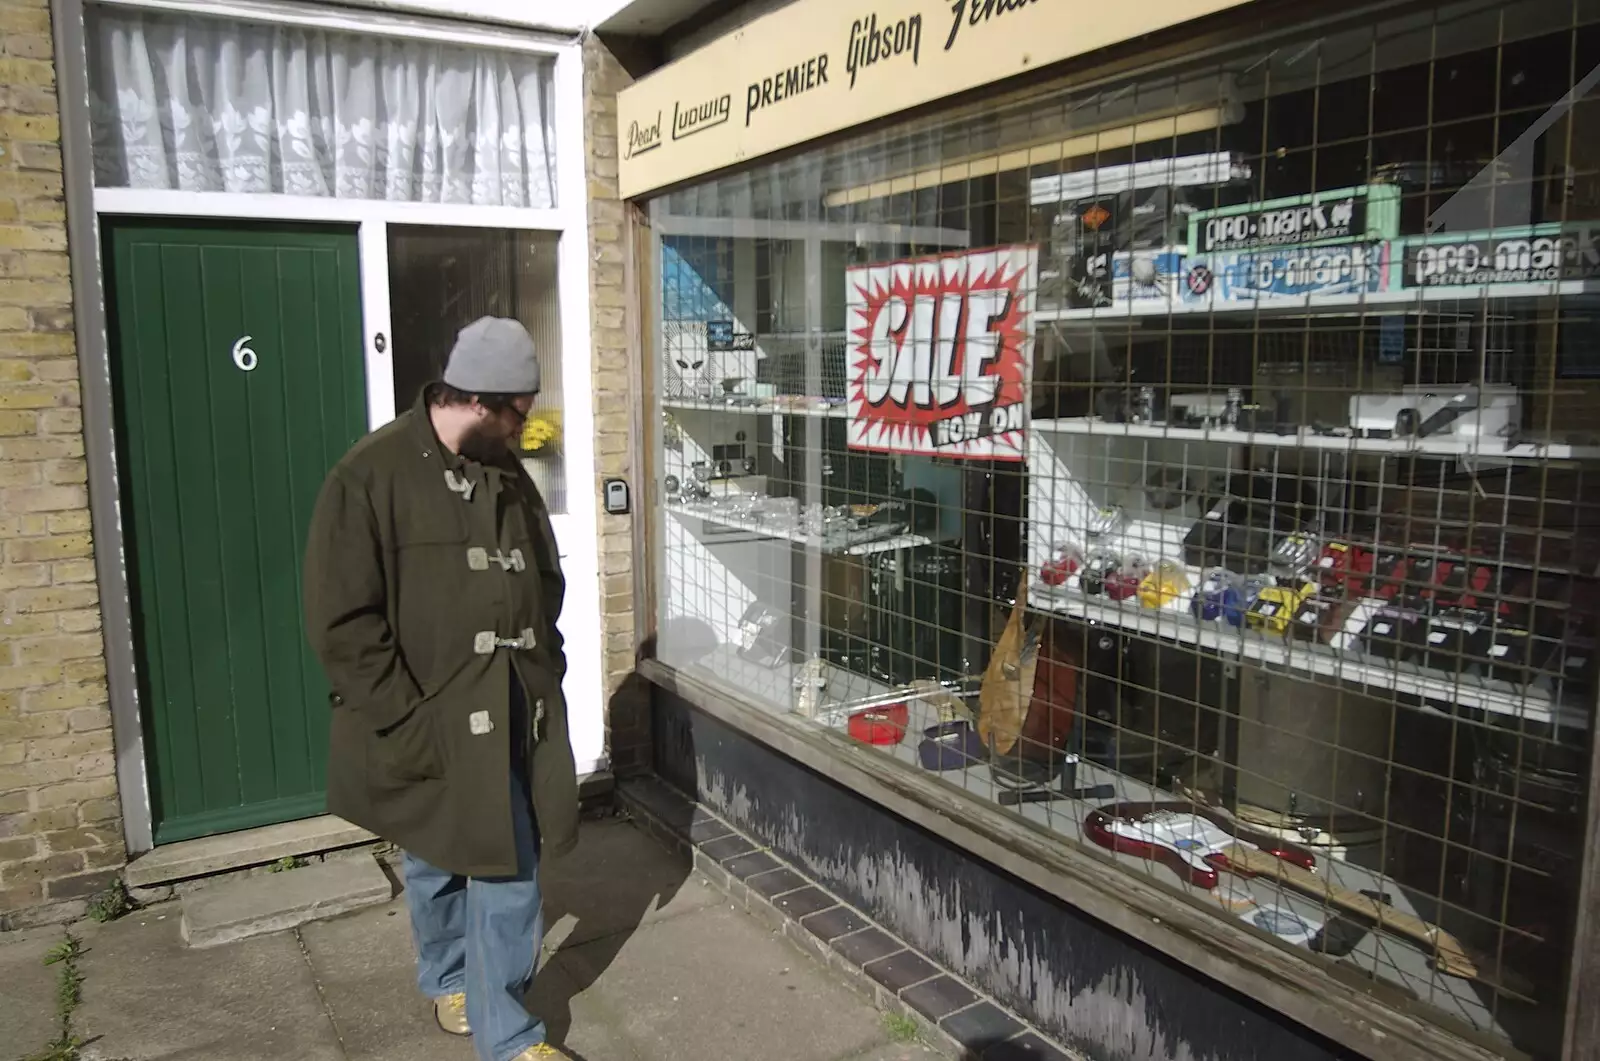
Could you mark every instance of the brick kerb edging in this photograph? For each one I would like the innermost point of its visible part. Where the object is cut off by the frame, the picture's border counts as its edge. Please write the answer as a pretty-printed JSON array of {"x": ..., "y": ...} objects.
[{"x": 954, "y": 1017}]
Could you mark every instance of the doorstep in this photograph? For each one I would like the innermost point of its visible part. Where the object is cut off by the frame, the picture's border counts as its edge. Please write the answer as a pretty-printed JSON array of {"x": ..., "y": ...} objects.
[
  {"x": 207, "y": 855},
  {"x": 254, "y": 906},
  {"x": 248, "y": 847},
  {"x": 956, "y": 1018}
]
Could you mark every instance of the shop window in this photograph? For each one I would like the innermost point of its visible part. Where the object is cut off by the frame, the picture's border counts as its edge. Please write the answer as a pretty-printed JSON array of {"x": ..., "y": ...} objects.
[
  {"x": 1201, "y": 469},
  {"x": 206, "y": 105}
]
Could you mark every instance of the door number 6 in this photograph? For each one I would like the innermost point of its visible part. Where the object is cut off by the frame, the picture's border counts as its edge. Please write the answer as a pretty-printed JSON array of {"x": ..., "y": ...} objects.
[{"x": 243, "y": 356}]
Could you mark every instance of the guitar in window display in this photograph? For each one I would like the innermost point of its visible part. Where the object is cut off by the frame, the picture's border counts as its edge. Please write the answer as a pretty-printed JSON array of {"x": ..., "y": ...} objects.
[{"x": 1200, "y": 845}]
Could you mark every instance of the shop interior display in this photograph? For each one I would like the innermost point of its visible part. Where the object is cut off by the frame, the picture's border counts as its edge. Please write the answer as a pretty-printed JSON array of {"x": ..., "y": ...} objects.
[{"x": 1288, "y": 595}]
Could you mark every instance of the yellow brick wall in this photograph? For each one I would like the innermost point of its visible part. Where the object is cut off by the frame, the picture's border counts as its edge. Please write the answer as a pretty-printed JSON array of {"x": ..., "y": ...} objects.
[
  {"x": 60, "y": 828},
  {"x": 616, "y": 393}
]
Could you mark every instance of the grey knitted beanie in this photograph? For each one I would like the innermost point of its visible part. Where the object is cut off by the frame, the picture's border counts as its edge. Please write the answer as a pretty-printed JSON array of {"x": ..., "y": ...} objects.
[{"x": 493, "y": 355}]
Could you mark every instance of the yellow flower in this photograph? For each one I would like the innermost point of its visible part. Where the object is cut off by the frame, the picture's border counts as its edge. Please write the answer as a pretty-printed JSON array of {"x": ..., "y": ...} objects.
[{"x": 540, "y": 429}]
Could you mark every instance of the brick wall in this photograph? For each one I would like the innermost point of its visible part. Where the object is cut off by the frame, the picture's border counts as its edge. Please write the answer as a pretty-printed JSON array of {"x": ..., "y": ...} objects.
[
  {"x": 616, "y": 392},
  {"x": 60, "y": 833}
]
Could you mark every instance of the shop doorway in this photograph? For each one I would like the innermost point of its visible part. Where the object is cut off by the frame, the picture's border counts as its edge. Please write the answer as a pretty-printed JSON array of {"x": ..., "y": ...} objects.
[{"x": 235, "y": 390}]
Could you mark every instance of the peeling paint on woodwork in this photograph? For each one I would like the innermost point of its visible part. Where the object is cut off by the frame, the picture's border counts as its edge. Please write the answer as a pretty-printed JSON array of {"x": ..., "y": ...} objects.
[
  {"x": 1089, "y": 986},
  {"x": 932, "y": 916}
]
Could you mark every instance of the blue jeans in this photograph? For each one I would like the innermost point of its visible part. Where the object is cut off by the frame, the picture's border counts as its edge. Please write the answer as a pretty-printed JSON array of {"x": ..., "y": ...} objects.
[{"x": 482, "y": 935}]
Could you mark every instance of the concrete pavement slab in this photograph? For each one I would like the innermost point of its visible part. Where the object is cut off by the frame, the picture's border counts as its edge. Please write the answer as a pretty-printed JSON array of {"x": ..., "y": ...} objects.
[
  {"x": 617, "y": 878},
  {"x": 27, "y": 991},
  {"x": 147, "y": 997},
  {"x": 576, "y": 1020},
  {"x": 365, "y": 966},
  {"x": 715, "y": 984}
]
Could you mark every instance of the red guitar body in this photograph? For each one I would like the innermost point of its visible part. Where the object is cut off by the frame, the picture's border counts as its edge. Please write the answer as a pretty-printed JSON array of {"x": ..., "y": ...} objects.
[{"x": 1194, "y": 859}]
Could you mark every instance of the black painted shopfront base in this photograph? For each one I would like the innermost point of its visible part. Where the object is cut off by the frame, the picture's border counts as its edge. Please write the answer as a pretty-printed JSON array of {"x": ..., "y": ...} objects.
[
  {"x": 955, "y": 1019},
  {"x": 995, "y": 969}
]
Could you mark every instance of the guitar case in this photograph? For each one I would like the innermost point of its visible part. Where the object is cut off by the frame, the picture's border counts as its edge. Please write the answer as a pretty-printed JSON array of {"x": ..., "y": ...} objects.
[{"x": 1029, "y": 698}]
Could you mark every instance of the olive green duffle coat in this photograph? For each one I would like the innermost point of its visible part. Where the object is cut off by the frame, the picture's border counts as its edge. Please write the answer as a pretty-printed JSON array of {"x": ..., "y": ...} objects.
[{"x": 431, "y": 583}]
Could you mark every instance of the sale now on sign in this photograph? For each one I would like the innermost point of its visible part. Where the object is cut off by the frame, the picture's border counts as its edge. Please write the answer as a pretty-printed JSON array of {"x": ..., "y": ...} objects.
[{"x": 939, "y": 353}]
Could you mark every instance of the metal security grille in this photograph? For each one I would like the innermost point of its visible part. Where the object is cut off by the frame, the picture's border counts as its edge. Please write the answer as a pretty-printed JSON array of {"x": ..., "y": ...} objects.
[{"x": 1200, "y": 467}]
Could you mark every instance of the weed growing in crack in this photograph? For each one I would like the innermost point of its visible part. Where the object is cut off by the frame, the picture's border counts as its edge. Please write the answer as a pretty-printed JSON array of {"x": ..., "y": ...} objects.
[
  {"x": 112, "y": 903},
  {"x": 69, "y": 992},
  {"x": 901, "y": 1028}
]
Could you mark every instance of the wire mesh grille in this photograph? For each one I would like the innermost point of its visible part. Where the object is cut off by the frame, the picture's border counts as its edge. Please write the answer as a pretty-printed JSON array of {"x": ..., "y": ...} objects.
[{"x": 1199, "y": 467}]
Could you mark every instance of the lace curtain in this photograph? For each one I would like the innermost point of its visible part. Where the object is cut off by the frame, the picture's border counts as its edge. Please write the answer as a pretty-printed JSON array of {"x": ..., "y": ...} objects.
[{"x": 211, "y": 106}]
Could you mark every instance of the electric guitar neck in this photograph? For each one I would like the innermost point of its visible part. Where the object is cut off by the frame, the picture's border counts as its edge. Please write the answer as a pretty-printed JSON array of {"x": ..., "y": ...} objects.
[{"x": 1449, "y": 954}]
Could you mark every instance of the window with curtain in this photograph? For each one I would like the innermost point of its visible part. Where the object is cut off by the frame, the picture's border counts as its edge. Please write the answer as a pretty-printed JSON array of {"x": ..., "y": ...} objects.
[{"x": 206, "y": 105}]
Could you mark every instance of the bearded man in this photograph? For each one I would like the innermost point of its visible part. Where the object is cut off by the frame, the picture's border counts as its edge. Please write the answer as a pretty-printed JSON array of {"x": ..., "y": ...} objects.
[{"x": 432, "y": 590}]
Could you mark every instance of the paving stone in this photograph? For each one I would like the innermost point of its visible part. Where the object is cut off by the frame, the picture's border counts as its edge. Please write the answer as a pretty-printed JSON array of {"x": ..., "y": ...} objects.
[
  {"x": 746, "y": 866},
  {"x": 829, "y": 925},
  {"x": 366, "y": 966},
  {"x": 367, "y": 969},
  {"x": 27, "y": 990},
  {"x": 899, "y": 971},
  {"x": 870, "y": 944},
  {"x": 806, "y": 901},
  {"x": 577, "y": 1020},
  {"x": 708, "y": 829},
  {"x": 776, "y": 882},
  {"x": 981, "y": 1026},
  {"x": 616, "y": 879},
  {"x": 939, "y": 997},
  {"x": 711, "y": 869},
  {"x": 762, "y": 994},
  {"x": 657, "y": 798},
  {"x": 252, "y": 906},
  {"x": 1025, "y": 1047},
  {"x": 147, "y": 997},
  {"x": 728, "y": 847}
]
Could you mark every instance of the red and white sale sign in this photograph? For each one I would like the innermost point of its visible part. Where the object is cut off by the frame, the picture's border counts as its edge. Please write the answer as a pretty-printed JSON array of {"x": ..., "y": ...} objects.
[{"x": 940, "y": 352}]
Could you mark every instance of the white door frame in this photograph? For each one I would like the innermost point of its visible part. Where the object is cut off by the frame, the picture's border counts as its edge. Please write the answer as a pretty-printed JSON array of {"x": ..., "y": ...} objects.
[{"x": 575, "y": 529}]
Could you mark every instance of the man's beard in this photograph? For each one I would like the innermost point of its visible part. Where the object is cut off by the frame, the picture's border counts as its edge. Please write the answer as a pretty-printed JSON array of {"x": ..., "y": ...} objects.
[{"x": 482, "y": 443}]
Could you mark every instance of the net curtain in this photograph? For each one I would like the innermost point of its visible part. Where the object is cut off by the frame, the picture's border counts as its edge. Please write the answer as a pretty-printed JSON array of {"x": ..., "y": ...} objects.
[{"x": 211, "y": 106}]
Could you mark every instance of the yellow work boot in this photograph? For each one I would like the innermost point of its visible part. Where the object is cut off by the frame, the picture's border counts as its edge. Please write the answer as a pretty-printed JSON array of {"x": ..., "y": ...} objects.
[
  {"x": 542, "y": 1052},
  {"x": 451, "y": 1013}
]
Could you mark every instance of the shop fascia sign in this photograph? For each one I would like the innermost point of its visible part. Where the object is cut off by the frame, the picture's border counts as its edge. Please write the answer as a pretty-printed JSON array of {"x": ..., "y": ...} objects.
[
  {"x": 820, "y": 66},
  {"x": 938, "y": 354}
]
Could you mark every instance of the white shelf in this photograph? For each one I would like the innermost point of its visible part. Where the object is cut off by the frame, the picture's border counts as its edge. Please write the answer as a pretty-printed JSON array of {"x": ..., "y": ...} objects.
[
  {"x": 1175, "y": 623},
  {"x": 877, "y": 545},
  {"x": 775, "y": 685},
  {"x": 1304, "y": 438},
  {"x": 803, "y": 407},
  {"x": 1373, "y": 301}
]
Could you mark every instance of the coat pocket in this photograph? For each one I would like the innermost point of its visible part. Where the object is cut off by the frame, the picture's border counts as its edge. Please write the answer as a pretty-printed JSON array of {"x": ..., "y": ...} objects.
[{"x": 411, "y": 749}]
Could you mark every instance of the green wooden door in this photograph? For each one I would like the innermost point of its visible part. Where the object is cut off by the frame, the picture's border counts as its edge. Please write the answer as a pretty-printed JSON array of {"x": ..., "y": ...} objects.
[{"x": 237, "y": 363}]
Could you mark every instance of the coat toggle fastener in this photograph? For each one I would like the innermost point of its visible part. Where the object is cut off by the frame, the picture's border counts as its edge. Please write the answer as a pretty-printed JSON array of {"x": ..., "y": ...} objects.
[
  {"x": 478, "y": 559},
  {"x": 486, "y": 641}
]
